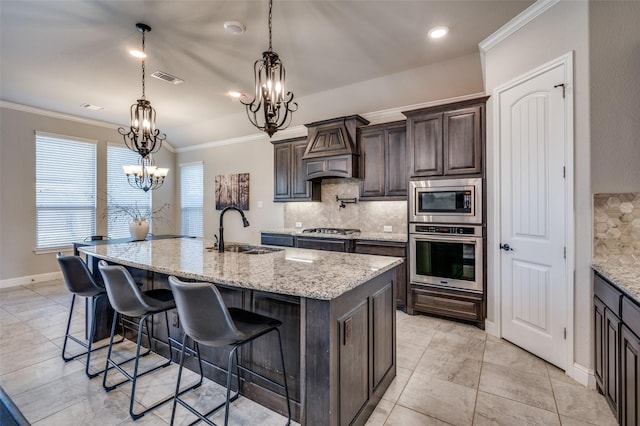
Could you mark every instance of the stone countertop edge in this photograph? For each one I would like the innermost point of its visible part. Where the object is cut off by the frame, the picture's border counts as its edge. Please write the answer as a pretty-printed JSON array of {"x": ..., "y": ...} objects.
[
  {"x": 625, "y": 277},
  {"x": 369, "y": 236},
  {"x": 313, "y": 274}
]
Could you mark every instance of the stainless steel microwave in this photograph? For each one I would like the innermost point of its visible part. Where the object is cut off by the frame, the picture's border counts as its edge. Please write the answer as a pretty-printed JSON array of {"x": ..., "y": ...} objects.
[{"x": 446, "y": 200}]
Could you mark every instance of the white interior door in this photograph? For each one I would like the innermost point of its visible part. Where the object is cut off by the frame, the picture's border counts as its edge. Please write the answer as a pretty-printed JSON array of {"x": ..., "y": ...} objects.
[{"x": 533, "y": 203}]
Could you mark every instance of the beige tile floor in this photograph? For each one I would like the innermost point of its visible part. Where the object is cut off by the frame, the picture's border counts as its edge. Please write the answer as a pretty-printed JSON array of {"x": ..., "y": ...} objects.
[{"x": 448, "y": 374}]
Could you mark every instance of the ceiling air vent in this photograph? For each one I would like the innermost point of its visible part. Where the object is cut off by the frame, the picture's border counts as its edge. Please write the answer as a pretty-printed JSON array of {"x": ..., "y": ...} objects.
[{"x": 161, "y": 75}]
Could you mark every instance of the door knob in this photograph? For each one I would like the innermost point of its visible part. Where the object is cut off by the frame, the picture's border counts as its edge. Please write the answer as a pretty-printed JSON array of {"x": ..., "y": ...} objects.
[{"x": 505, "y": 247}]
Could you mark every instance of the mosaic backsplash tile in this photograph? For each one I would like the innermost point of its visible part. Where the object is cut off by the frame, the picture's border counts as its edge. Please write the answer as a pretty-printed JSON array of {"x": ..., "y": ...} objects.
[
  {"x": 368, "y": 216},
  {"x": 617, "y": 228}
]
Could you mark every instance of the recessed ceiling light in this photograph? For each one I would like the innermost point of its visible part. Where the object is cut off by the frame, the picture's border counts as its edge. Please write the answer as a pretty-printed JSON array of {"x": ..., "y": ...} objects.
[
  {"x": 234, "y": 27},
  {"x": 438, "y": 32},
  {"x": 137, "y": 53},
  {"x": 234, "y": 94}
]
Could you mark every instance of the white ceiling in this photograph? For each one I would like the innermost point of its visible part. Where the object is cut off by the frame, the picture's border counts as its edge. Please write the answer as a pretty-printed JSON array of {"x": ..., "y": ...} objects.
[{"x": 58, "y": 55}]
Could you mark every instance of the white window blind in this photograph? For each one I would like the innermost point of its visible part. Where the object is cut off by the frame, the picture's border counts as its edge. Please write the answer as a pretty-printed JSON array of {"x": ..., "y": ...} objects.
[
  {"x": 65, "y": 190},
  {"x": 191, "y": 199},
  {"x": 121, "y": 196}
]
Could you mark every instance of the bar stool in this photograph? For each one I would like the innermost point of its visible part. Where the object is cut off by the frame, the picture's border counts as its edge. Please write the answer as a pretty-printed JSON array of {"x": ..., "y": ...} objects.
[
  {"x": 127, "y": 299},
  {"x": 80, "y": 282},
  {"x": 206, "y": 320}
]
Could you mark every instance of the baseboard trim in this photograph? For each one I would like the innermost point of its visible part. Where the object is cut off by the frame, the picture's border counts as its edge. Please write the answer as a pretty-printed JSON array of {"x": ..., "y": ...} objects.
[
  {"x": 30, "y": 279},
  {"x": 491, "y": 328},
  {"x": 583, "y": 375}
]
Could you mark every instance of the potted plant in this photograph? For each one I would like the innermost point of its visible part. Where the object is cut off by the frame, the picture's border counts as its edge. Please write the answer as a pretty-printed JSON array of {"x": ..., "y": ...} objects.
[{"x": 137, "y": 217}]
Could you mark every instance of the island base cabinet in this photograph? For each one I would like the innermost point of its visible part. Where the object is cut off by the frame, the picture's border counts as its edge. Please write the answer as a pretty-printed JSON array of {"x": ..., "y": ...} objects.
[
  {"x": 356, "y": 356},
  {"x": 340, "y": 354}
]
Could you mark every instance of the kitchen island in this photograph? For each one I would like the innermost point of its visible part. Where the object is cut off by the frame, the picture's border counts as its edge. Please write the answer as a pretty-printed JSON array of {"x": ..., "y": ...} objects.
[{"x": 337, "y": 309}]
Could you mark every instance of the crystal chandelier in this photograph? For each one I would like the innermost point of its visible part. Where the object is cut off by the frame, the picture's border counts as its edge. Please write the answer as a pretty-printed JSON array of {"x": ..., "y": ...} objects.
[
  {"x": 271, "y": 108},
  {"x": 145, "y": 175},
  {"x": 142, "y": 135}
]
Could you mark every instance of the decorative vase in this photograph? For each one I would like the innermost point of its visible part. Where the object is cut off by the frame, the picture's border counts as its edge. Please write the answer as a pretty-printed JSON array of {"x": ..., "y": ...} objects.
[{"x": 139, "y": 228}]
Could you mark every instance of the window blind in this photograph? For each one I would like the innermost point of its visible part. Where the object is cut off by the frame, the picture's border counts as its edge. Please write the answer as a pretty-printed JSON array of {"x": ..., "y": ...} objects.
[
  {"x": 65, "y": 190},
  {"x": 191, "y": 199},
  {"x": 120, "y": 195}
]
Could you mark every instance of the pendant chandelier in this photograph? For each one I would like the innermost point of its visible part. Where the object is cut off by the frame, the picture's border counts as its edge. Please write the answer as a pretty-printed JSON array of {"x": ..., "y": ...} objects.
[
  {"x": 142, "y": 135},
  {"x": 145, "y": 175},
  {"x": 271, "y": 108}
]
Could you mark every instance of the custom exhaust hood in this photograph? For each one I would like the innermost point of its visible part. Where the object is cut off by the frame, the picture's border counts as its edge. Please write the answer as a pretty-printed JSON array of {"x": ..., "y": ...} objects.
[{"x": 333, "y": 149}]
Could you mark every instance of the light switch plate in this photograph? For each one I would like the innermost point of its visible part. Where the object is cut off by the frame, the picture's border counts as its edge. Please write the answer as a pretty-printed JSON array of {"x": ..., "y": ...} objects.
[
  {"x": 298, "y": 224},
  {"x": 259, "y": 204},
  {"x": 387, "y": 228}
]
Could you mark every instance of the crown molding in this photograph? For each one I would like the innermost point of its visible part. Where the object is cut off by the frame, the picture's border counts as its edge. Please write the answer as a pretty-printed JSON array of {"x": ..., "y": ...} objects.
[
  {"x": 68, "y": 117},
  {"x": 522, "y": 19},
  {"x": 376, "y": 117}
]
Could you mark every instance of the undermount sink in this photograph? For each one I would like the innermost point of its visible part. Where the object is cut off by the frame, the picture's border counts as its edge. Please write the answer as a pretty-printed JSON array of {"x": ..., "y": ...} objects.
[{"x": 246, "y": 249}]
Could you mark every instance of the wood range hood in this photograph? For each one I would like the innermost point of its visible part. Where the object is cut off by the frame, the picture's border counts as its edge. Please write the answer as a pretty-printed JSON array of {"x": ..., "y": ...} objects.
[{"x": 333, "y": 151}]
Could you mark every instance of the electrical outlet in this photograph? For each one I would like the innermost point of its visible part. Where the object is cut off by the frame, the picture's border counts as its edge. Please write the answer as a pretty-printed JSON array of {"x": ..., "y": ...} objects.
[
  {"x": 175, "y": 321},
  {"x": 298, "y": 224},
  {"x": 387, "y": 228},
  {"x": 259, "y": 204}
]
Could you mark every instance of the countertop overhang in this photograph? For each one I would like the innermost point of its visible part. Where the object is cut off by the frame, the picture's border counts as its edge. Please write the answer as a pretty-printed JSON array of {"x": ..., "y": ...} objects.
[
  {"x": 625, "y": 277},
  {"x": 313, "y": 274}
]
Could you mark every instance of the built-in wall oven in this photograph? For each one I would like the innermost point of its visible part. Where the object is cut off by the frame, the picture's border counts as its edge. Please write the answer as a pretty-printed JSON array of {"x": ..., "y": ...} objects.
[
  {"x": 446, "y": 201},
  {"x": 446, "y": 255}
]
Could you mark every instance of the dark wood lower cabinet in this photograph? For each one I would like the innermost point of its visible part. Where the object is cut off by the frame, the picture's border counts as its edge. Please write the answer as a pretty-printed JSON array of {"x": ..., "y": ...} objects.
[
  {"x": 617, "y": 350},
  {"x": 389, "y": 248}
]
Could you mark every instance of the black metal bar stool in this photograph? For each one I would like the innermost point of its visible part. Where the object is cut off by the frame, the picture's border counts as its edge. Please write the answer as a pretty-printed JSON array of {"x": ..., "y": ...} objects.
[
  {"x": 206, "y": 320},
  {"x": 127, "y": 299},
  {"x": 80, "y": 282}
]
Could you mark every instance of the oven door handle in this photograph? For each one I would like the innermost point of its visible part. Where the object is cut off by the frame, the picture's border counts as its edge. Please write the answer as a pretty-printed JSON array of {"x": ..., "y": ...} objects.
[{"x": 451, "y": 238}]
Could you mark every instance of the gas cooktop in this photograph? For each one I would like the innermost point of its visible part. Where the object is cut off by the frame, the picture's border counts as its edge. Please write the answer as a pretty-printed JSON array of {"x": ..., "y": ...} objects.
[{"x": 337, "y": 231}]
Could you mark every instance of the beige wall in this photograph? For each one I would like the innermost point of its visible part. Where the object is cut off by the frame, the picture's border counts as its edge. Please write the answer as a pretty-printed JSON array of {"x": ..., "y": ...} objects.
[
  {"x": 606, "y": 128},
  {"x": 614, "y": 48},
  {"x": 17, "y": 183}
]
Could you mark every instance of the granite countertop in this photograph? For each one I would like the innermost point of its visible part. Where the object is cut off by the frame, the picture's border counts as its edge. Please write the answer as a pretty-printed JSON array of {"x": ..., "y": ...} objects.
[
  {"x": 306, "y": 273},
  {"x": 372, "y": 236},
  {"x": 625, "y": 277}
]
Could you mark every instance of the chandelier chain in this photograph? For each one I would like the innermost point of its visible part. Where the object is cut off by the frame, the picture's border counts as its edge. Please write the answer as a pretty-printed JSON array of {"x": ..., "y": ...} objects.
[
  {"x": 143, "y": 67},
  {"x": 270, "y": 7}
]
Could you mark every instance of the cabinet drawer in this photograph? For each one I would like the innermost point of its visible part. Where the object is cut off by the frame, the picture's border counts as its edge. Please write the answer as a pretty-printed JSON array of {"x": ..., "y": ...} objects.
[
  {"x": 443, "y": 302},
  {"x": 607, "y": 293},
  {"x": 631, "y": 315},
  {"x": 278, "y": 240},
  {"x": 381, "y": 248},
  {"x": 324, "y": 244}
]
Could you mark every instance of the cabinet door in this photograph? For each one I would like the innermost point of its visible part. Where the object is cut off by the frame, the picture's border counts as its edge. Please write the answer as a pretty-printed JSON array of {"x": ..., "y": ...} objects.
[
  {"x": 598, "y": 319},
  {"x": 630, "y": 377},
  {"x": 282, "y": 172},
  {"x": 425, "y": 145},
  {"x": 354, "y": 361},
  {"x": 300, "y": 187},
  {"x": 462, "y": 141},
  {"x": 381, "y": 248},
  {"x": 396, "y": 162},
  {"x": 372, "y": 162},
  {"x": 611, "y": 361}
]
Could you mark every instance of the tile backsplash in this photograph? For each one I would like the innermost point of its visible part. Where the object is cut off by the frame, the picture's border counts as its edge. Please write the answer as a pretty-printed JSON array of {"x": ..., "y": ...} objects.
[
  {"x": 368, "y": 216},
  {"x": 616, "y": 236}
]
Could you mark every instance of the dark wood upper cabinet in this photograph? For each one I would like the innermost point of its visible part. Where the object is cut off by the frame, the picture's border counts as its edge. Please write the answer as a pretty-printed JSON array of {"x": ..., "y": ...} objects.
[
  {"x": 383, "y": 157},
  {"x": 447, "y": 139},
  {"x": 289, "y": 181}
]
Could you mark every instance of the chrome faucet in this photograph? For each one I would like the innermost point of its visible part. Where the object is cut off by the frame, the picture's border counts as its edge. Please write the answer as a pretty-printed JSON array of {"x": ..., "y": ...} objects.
[{"x": 245, "y": 223}]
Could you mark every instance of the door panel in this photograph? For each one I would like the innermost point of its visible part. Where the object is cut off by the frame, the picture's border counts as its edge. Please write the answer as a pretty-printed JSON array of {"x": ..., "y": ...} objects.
[{"x": 533, "y": 212}]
